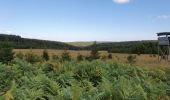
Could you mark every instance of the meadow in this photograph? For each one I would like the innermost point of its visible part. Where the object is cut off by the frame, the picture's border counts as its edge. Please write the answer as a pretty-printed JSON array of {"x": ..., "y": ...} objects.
[
  {"x": 142, "y": 60},
  {"x": 31, "y": 75}
]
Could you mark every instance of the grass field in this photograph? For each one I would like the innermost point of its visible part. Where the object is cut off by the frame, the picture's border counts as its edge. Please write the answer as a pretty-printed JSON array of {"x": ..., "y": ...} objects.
[
  {"x": 144, "y": 60},
  {"x": 80, "y": 44}
]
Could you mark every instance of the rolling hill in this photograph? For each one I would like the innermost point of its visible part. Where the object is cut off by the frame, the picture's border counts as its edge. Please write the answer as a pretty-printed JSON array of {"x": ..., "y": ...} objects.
[
  {"x": 18, "y": 42},
  {"x": 144, "y": 47}
]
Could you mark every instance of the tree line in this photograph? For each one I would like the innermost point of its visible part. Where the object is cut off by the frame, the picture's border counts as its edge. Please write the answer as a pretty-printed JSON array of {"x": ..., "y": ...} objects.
[{"x": 135, "y": 47}]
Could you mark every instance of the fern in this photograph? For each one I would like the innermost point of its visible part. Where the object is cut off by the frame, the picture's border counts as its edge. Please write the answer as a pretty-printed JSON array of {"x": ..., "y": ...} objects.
[{"x": 9, "y": 94}]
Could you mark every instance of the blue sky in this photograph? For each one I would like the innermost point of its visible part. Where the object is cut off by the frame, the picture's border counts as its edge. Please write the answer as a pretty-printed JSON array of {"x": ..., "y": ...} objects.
[{"x": 85, "y": 20}]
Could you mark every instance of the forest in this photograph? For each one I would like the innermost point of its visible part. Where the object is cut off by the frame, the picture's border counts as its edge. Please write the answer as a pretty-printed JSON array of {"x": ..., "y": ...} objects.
[
  {"x": 18, "y": 42},
  {"x": 135, "y": 47}
]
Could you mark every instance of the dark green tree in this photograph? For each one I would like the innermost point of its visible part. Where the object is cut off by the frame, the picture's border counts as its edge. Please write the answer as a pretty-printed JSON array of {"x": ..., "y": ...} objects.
[
  {"x": 94, "y": 52},
  {"x": 110, "y": 56},
  {"x": 65, "y": 56},
  {"x": 6, "y": 53},
  {"x": 131, "y": 59},
  {"x": 80, "y": 57},
  {"x": 45, "y": 55}
]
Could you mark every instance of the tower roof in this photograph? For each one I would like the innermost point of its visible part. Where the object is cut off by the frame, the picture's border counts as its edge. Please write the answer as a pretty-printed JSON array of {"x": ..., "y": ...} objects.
[{"x": 163, "y": 33}]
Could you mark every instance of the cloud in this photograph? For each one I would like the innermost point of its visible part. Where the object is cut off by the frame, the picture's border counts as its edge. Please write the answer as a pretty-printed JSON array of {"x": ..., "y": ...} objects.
[
  {"x": 163, "y": 17},
  {"x": 121, "y": 1},
  {"x": 6, "y": 32}
]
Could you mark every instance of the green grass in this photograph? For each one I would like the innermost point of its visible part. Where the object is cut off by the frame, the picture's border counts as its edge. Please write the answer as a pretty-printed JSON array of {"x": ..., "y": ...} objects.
[
  {"x": 80, "y": 44},
  {"x": 72, "y": 80}
]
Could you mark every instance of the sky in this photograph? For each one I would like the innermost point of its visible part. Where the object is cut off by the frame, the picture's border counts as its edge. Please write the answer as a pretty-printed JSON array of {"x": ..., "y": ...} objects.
[{"x": 85, "y": 20}]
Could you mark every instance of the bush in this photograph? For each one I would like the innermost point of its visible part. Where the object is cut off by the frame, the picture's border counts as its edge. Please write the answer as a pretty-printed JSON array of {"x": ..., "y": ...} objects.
[
  {"x": 6, "y": 54},
  {"x": 32, "y": 58},
  {"x": 104, "y": 57},
  {"x": 45, "y": 55},
  {"x": 65, "y": 56},
  {"x": 20, "y": 55},
  {"x": 6, "y": 76},
  {"x": 80, "y": 57},
  {"x": 94, "y": 53},
  {"x": 131, "y": 59},
  {"x": 110, "y": 56},
  {"x": 55, "y": 57}
]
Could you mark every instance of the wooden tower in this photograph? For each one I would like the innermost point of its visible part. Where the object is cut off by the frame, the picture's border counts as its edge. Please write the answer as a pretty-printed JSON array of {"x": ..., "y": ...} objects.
[{"x": 163, "y": 46}]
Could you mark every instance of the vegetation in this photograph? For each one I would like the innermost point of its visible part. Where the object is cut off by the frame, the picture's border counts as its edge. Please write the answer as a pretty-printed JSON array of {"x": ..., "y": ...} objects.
[
  {"x": 131, "y": 59},
  {"x": 32, "y": 58},
  {"x": 135, "y": 47},
  {"x": 94, "y": 53},
  {"x": 18, "y": 42},
  {"x": 45, "y": 55},
  {"x": 110, "y": 56},
  {"x": 19, "y": 55},
  {"x": 70, "y": 80},
  {"x": 6, "y": 53},
  {"x": 29, "y": 77},
  {"x": 80, "y": 57},
  {"x": 65, "y": 56}
]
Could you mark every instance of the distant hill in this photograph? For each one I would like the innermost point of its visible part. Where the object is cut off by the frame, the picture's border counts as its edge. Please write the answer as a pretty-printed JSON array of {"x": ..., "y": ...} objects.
[
  {"x": 143, "y": 47},
  {"x": 86, "y": 43},
  {"x": 137, "y": 47},
  {"x": 24, "y": 43},
  {"x": 81, "y": 44}
]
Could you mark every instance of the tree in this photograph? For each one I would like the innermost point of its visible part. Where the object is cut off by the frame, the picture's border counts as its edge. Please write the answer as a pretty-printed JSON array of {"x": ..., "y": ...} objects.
[
  {"x": 45, "y": 55},
  {"x": 80, "y": 57},
  {"x": 110, "y": 56},
  {"x": 6, "y": 54},
  {"x": 65, "y": 56},
  {"x": 131, "y": 59},
  {"x": 94, "y": 52}
]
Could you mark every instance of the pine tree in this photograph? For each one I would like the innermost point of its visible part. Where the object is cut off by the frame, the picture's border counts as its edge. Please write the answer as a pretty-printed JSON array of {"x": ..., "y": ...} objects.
[
  {"x": 94, "y": 52},
  {"x": 80, "y": 57},
  {"x": 65, "y": 56},
  {"x": 45, "y": 55}
]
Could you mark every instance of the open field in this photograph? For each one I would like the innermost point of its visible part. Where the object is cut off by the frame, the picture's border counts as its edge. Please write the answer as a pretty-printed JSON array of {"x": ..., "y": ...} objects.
[
  {"x": 144, "y": 60},
  {"x": 81, "y": 44}
]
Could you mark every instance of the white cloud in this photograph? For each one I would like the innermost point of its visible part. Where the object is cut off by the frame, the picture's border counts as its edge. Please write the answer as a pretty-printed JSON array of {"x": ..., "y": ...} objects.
[
  {"x": 163, "y": 17},
  {"x": 121, "y": 1},
  {"x": 6, "y": 32}
]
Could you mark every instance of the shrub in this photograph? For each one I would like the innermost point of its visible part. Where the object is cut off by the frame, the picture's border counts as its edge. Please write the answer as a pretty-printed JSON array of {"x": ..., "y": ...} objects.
[
  {"x": 45, "y": 55},
  {"x": 6, "y": 54},
  {"x": 32, "y": 58},
  {"x": 154, "y": 55},
  {"x": 55, "y": 57},
  {"x": 94, "y": 53},
  {"x": 104, "y": 57},
  {"x": 131, "y": 59},
  {"x": 110, "y": 56},
  {"x": 139, "y": 53},
  {"x": 6, "y": 76},
  {"x": 65, "y": 56},
  {"x": 80, "y": 57},
  {"x": 20, "y": 55}
]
